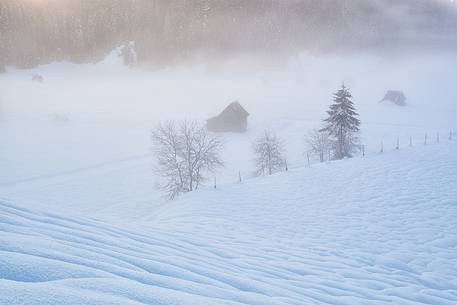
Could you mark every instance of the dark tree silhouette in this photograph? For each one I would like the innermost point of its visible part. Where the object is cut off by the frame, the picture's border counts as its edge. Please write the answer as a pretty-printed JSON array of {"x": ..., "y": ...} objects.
[{"x": 342, "y": 124}]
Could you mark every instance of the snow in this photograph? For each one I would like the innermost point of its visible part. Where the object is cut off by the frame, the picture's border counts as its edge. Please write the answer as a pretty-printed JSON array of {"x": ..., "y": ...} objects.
[
  {"x": 380, "y": 230},
  {"x": 81, "y": 221}
]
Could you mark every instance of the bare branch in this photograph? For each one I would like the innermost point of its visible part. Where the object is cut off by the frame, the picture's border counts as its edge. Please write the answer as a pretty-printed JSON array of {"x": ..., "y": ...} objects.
[
  {"x": 269, "y": 151},
  {"x": 185, "y": 152},
  {"x": 319, "y": 143}
]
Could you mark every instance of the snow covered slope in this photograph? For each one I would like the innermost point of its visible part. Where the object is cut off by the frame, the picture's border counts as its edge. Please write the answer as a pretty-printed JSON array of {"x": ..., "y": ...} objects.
[
  {"x": 79, "y": 142},
  {"x": 379, "y": 230}
]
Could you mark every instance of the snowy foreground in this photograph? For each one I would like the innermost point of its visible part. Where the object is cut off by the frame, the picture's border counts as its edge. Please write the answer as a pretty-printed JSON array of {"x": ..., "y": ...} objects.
[{"x": 379, "y": 230}]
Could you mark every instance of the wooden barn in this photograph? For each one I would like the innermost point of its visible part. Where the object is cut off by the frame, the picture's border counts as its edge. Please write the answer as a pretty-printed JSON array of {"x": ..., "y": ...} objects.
[
  {"x": 37, "y": 78},
  {"x": 396, "y": 97},
  {"x": 234, "y": 118}
]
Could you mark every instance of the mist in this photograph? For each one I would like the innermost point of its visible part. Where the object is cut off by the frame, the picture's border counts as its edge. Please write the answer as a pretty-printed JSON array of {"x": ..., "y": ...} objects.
[
  {"x": 276, "y": 57},
  {"x": 300, "y": 87},
  {"x": 84, "y": 114},
  {"x": 34, "y": 32},
  {"x": 108, "y": 69},
  {"x": 228, "y": 152},
  {"x": 84, "y": 83}
]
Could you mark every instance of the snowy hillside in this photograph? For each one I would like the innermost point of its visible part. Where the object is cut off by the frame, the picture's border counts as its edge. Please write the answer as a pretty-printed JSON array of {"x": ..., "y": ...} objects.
[
  {"x": 329, "y": 178},
  {"x": 80, "y": 140},
  {"x": 81, "y": 219},
  {"x": 374, "y": 230}
]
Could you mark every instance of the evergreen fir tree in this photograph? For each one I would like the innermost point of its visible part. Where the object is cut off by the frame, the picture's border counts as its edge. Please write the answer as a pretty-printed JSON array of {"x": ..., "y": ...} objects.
[{"x": 342, "y": 124}]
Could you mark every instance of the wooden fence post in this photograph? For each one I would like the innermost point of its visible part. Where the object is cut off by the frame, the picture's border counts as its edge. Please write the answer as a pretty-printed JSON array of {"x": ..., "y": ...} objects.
[
  {"x": 398, "y": 144},
  {"x": 410, "y": 141},
  {"x": 425, "y": 141},
  {"x": 382, "y": 146}
]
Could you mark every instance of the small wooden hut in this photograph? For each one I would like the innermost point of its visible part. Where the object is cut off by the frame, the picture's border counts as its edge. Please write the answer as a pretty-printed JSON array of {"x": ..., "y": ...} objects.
[
  {"x": 234, "y": 118},
  {"x": 396, "y": 97}
]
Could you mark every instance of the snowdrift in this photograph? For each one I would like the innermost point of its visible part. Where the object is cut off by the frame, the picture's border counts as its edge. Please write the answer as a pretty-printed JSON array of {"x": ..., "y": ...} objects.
[{"x": 379, "y": 230}]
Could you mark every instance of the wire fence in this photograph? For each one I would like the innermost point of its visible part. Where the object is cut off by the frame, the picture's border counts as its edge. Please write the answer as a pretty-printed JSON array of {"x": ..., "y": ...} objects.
[
  {"x": 326, "y": 157},
  {"x": 426, "y": 140}
]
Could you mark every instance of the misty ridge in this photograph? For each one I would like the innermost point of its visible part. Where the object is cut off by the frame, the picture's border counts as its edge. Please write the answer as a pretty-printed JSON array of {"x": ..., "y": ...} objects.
[{"x": 168, "y": 31}]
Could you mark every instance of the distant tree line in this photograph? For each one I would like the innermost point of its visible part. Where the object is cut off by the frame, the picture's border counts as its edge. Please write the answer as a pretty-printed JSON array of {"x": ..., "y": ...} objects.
[{"x": 38, "y": 32}]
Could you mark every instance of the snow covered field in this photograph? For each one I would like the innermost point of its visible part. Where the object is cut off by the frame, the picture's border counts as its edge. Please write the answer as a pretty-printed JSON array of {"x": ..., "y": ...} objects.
[
  {"x": 80, "y": 141},
  {"x": 81, "y": 221},
  {"x": 379, "y": 230}
]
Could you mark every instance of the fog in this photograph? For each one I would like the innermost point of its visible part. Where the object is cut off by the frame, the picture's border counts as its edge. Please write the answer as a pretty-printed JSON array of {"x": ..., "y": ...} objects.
[
  {"x": 128, "y": 175},
  {"x": 91, "y": 110},
  {"x": 165, "y": 32},
  {"x": 300, "y": 87}
]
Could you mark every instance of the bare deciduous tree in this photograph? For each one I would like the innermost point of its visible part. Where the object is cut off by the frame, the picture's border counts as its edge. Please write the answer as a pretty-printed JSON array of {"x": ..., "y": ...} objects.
[
  {"x": 269, "y": 151},
  {"x": 319, "y": 143},
  {"x": 185, "y": 152}
]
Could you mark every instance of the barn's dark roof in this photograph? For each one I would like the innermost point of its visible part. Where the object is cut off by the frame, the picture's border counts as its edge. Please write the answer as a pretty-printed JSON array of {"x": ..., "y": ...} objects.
[
  {"x": 396, "y": 97},
  {"x": 234, "y": 108}
]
